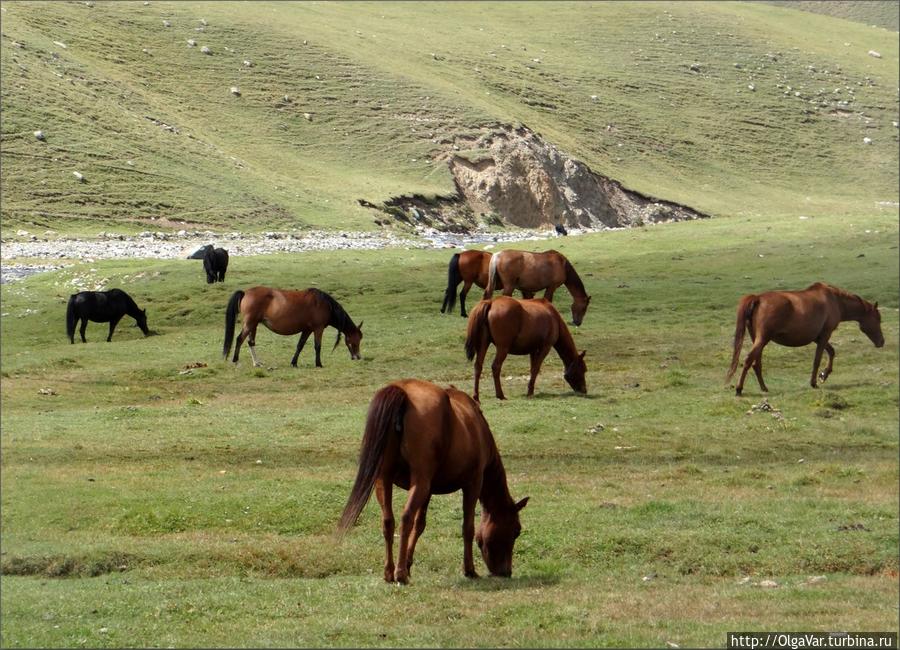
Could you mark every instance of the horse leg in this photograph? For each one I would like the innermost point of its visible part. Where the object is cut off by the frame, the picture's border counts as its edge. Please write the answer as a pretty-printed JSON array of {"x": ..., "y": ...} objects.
[
  {"x": 250, "y": 335},
  {"x": 757, "y": 368},
  {"x": 239, "y": 341},
  {"x": 825, "y": 373},
  {"x": 383, "y": 489},
  {"x": 817, "y": 360},
  {"x": 527, "y": 294},
  {"x": 496, "y": 367},
  {"x": 753, "y": 356},
  {"x": 417, "y": 532},
  {"x": 318, "y": 343},
  {"x": 537, "y": 358},
  {"x": 84, "y": 322},
  {"x": 548, "y": 293},
  {"x": 462, "y": 297},
  {"x": 300, "y": 345},
  {"x": 419, "y": 492},
  {"x": 112, "y": 326},
  {"x": 470, "y": 497}
]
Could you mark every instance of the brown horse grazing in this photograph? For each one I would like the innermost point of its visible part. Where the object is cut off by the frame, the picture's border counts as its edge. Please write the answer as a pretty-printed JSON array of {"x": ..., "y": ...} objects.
[
  {"x": 469, "y": 267},
  {"x": 796, "y": 318},
  {"x": 288, "y": 312},
  {"x": 433, "y": 440},
  {"x": 522, "y": 327},
  {"x": 531, "y": 272}
]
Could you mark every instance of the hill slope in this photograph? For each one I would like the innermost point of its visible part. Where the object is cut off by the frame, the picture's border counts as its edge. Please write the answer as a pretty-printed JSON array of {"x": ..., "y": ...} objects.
[{"x": 345, "y": 101}]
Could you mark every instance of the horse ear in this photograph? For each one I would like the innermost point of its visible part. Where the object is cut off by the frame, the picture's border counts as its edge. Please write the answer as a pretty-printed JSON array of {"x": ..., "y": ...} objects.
[
  {"x": 582, "y": 354},
  {"x": 521, "y": 504},
  {"x": 359, "y": 327},
  {"x": 876, "y": 304}
]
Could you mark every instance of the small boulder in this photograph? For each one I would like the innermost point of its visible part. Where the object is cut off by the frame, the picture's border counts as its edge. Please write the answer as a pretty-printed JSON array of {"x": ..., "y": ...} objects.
[
  {"x": 166, "y": 23},
  {"x": 78, "y": 176},
  {"x": 191, "y": 42},
  {"x": 308, "y": 116},
  {"x": 248, "y": 64},
  {"x": 205, "y": 50},
  {"x": 40, "y": 135},
  {"x": 867, "y": 140},
  {"x": 874, "y": 54},
  {"x": 235, "y": 91}
]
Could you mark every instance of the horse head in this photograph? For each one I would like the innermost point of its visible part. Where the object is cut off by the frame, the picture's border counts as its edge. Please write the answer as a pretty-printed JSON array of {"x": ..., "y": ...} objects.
[
  {"x": 574, "y": 374},
  {"x": 496, "y": 537},
  {"x": 870, "y": 324},
  {"x": 141, "y": 319},
  {"x": 352, "y": 338},
  {"x": 579, "y": 308}
]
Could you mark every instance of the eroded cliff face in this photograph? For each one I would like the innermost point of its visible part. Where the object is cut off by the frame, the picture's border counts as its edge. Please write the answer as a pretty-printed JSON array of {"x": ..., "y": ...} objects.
[
  {"x": 511, "y": 175},
  {"x": 529, "y": 182}
]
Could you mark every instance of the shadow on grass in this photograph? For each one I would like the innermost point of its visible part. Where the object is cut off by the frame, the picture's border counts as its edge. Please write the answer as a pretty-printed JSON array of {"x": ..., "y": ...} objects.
[{"x": 492, "y": 583}]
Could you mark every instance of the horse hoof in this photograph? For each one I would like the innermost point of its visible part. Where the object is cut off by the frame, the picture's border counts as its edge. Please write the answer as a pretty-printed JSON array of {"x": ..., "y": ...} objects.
[
  {"x": 472, "y": 574},
  {"x": 402, "y": 578},
  {"x": 738, "y": 393}
]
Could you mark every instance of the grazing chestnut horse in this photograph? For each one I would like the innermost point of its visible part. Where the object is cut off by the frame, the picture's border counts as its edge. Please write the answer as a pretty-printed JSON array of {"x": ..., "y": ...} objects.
[
  {"x": 796, "y": 318},
  {"x": 288, "y": 312},
  {"x": 522, "y": 327},
  {"x": 433, "y": 440},
  {"x": 102, "y": 307},
  {"x": 469, "y": 267},
  {"x": 531, "y": 272}
]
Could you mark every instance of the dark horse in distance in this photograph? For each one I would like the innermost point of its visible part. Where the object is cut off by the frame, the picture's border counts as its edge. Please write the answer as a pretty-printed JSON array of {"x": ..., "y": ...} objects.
[
  {"x": 530, "y": 327},
  {"x": 470, "y": 267},
  {"x": 530, "y": 272},
  {"x": 432, "y": 440},
  {"x": 102, "y": 307},
  {"x": 215, "y": 263},
  {"x": 797, "y": 318},
  {"x": 288, "y": 312}
]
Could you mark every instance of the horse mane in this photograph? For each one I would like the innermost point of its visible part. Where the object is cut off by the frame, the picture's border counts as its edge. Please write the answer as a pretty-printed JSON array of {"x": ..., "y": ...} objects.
[
  {"x": 842, "y": 293},
  {"x": 129, "y": 301},
  {"x": 339, "y": 319},
  {"x": 573, "y": 279}
]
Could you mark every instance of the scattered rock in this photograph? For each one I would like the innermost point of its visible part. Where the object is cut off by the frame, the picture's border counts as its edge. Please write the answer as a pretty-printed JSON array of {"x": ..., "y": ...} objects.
[
  {"x": 695, "y": 67},
  {"x": 62, "y": 45},
  {"x": 46, "y": 391},
  {"x": 767, "y": 584},
  {"x": 765, "y": 407},
  {"x": 597, "y": 428},
  {"x": 40, "y": 135},
  {"x": 191, "y": 42},
  {"x": 815, "y": 579},
  {"x": 235, "y": 91},
  {"x": 205, "y": 50},
  {"x": 78, "y": 176},
  {"x": 751, "y": 87},
  {"x": 248, "y": 64},
  {"x": 851, "y": 527},
  {"x": 867, "y": 140},
  {"x": 203, "y": 22},
  {"x": 648, "y": 577},
  {"x": 874, "y": 54},
  {"x": 308, "y": 117},
  {"x": 594, "y": 98},
  {"x": 166, "y": 23},
  {"x": 744, "y": 581}
]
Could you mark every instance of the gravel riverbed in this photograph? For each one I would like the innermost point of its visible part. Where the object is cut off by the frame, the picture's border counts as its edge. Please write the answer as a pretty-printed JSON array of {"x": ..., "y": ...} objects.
[{"x": 28, "y": 254}]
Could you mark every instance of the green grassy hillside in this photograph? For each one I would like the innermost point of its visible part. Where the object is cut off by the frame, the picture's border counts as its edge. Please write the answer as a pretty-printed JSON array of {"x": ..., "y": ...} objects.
[
  {"x": 880, "y": 13},
  {"x": 387, "y": 86}
]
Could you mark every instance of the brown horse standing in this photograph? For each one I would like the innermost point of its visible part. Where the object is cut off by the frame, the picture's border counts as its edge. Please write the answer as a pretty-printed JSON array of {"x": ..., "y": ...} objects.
[
  {"x": 522, "y": 327},
  {"x": 796, "y": 318},
  {"x": 531, "y": 272},
  {"x": 469, "y": 267},
  {"x": 288, "y": 312},
  {"x": 433, "y": 440}
]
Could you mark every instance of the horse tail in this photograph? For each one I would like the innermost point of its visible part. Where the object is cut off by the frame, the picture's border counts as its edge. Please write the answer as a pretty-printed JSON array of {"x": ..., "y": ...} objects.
[
  {"x": 234, "y": 304},
  {"x": 70, "y": 317},
  {"x": 744, "y": 313},
  {"x": 453, "y": 280},
  {"x": 493, "y": 280},
  {"x": 384, "y": 418},
  {"x": 478, "y": 330}
]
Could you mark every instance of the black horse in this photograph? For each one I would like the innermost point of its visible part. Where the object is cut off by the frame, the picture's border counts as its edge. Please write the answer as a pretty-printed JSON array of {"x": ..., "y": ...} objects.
[
  {"x": 102, "y": 307},
  {"x": 215, "y": 263}
]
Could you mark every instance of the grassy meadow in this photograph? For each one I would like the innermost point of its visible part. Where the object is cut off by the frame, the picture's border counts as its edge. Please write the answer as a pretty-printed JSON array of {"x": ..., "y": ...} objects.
[{"x": 150, "y": 503}]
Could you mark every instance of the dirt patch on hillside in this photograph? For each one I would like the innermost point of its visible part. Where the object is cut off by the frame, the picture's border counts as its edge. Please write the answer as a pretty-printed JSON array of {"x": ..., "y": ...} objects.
[{"x": 513, "y": 176}]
